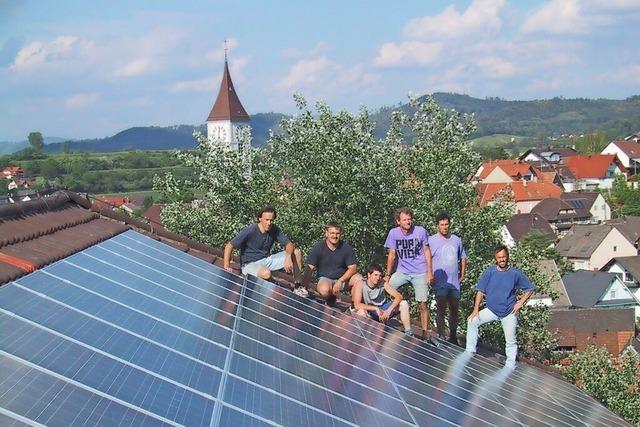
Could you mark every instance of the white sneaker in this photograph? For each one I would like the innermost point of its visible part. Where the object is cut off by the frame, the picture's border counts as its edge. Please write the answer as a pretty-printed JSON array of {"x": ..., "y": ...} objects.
[{"x": 301, "y": 291}]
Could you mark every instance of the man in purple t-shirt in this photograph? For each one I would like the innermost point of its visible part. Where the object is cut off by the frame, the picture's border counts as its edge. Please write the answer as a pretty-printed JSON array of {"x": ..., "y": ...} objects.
[
  {"x": 449, "y": 267},
  {"x": 409, "y": 245}
]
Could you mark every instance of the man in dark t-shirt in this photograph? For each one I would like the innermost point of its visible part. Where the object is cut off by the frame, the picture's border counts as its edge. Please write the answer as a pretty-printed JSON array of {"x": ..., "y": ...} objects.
[
  {"x": 336, "y": 264},
  {"x": 255, "y": 244}
]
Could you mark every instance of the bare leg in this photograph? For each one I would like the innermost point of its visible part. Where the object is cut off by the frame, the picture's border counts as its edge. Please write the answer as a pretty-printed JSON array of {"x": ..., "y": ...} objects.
[
  {"x": 296, "y": 260},
  {"x": 324, "y": 288},
  {"x": 405, "y": 316},
  {"x": 264, "y": 273},
  {"x": 424, "y": 317}
]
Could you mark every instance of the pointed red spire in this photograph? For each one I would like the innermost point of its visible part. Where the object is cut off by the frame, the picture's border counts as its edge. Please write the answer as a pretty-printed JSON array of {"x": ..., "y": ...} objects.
[{"x": 227, "y": 105}]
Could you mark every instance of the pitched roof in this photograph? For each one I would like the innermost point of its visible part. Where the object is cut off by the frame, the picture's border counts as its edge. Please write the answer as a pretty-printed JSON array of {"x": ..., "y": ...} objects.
[
  {"x": 550, "y": 269},
  {"x": 171, "y": 308},
  {"x": 630, "y": 148},
  {"x": 592, "y": 320},
  {"x": 513, "y": 168},
  {"x": 585, "y": 288},
  {"x": 545, "y": 153},
  {"x": 582, "y": 240},
  {"x": 36, "y": 233},
  {"x": 592, "y": 166},
  {"x": 520, "y": 191},
  {"x": 554, "y": 209},
  {"x": 630, "y": 263},
  {"x": 227, "y": 105},
  {"x": 628, "y": 226},
  {"x": 519, "y": 225}
]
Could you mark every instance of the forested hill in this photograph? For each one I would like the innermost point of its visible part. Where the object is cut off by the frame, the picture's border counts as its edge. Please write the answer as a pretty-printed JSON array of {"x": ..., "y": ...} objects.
[
  {"x": 538, "y": 118},
  {"x": 548, "y": 117},
  {"x": 163, "y": 138}
]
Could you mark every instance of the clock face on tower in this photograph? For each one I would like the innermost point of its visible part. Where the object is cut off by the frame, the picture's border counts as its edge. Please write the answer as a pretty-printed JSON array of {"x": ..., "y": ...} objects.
[{"x": 220, "y": 132}]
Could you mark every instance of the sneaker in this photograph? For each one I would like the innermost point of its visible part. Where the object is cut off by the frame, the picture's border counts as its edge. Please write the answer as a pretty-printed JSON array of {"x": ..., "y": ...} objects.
[
  {"x": 408, "y": 332},
  {"x": 301, "y": 291},
  {"x": 331, "y": 300}
]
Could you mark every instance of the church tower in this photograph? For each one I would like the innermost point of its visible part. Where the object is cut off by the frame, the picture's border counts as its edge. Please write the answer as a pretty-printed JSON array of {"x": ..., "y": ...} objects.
[{"x": 228, "y": 120}]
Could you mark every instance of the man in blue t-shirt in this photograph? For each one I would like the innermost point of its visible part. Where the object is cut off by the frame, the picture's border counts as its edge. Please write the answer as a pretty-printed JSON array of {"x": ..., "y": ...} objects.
[
  {"x": 449, "y": 261},
  {"x": 498, "y": 285},
  {"x": 255, "y": 244}
]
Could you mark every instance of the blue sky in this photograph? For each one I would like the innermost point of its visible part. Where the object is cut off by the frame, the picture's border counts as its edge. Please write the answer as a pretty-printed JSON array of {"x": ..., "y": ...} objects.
[{"x": 79, "y": 69}]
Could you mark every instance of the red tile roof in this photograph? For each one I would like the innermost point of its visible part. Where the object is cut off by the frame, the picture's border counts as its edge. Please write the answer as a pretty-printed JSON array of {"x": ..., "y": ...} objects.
[
  {"x": 593, "y": 166},
  {"x": 227, "y": 105},
  {"x": 519, "y": 191},
  {"x": 513, "y": 168}
]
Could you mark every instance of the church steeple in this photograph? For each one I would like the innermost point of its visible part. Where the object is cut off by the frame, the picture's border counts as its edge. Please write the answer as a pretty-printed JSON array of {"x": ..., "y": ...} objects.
[
  {"x": 228, "y": 121},
  {"x": 227, "y": 105}
]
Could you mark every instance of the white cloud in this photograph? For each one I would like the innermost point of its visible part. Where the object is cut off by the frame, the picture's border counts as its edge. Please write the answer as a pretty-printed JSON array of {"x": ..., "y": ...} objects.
[
  {"x": 134, "y": 68},
  {"x": 496, "y": 68},
  {"x": 305, "y": 72},
  {"x": 625, "y": 75},
  {"x": 408, "y": 53},
  {"x": 40, "y": 54},
  {"x": 81, "y": 100},
  {"x": 563, "y": 17},
  {"x": 480, "y": 18}
]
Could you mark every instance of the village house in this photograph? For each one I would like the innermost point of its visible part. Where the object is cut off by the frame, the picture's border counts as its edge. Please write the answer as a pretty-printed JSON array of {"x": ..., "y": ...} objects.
[
  {"x": 588, "y": 207},
  {"x": 525, "y": 194},
  {"x": 589, "y": 247},
  {"x": 628, "y": 152},
  {"x": 628, "y": 271},
  {"x": 592, "y": 172},
  {"x": 520, "y": 225}
]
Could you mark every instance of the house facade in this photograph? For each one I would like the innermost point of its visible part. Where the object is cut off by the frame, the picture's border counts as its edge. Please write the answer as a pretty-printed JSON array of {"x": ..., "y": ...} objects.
[{"x": 590, "y": 247}]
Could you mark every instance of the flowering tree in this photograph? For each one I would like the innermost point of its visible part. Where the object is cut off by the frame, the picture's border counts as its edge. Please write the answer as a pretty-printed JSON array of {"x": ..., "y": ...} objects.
[{"x": 327, "y": 166}]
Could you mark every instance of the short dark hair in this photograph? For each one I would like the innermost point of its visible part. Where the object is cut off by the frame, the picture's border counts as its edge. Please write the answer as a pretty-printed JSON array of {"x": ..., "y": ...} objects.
[
  {"x": 373, "y": 267},
  {"x": 442, "y": 216},
  {"x": 333, "y": 224},
  {"x": 267, "y": 209},
  {"x": 500, "y": 248},
  {"x": 405, "y": 211}
]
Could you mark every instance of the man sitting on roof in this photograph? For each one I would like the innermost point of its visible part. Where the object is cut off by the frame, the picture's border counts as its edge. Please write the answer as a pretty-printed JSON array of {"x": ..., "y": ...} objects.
[
  {"x": 255, "y": 244},
  {"x": 336, "y": 263},
  {"x": 370, "y": 297}
]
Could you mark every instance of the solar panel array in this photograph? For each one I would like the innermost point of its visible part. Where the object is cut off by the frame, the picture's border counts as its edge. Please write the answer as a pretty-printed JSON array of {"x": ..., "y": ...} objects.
[{"x": 134, "y": 332}]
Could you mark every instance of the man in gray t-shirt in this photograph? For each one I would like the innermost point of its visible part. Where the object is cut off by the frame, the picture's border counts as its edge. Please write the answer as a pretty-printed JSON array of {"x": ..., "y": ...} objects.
[
  {"x": 370, "y": 299},
  {"x": 255, "y": 243}
]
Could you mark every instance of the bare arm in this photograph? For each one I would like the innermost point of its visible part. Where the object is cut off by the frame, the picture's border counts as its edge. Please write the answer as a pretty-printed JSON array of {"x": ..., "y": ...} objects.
[
  {"x": 351, "y": 270},
  {"x": 476, "y": 305},
  {"x": 288, "y": 261},
  {"x": 463, "y": 269},
  {"x": 393, "y": 293},
  {"x": 391, "y": 258},
  {"x": 522, "y": 301},
  {"x": 427, "y": 257},
  {"x": 226, "y": 260}
]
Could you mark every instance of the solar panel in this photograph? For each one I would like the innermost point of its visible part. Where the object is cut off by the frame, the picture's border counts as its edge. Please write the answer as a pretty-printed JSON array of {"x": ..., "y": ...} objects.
[
  {"x": 576, "y": 203},
  {"x": 134, "y": 332}
]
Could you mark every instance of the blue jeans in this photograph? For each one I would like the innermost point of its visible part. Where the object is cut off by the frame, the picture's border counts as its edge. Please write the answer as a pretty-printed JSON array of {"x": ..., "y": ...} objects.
[{"x": 509, "y": 324}]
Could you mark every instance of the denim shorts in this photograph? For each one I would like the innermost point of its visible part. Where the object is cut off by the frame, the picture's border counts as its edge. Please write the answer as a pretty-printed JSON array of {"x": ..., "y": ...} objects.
[
  {"x": 383, "y": 307},
  {"x": 419, "y": 282},
  {"x": 273, "y": 263}
]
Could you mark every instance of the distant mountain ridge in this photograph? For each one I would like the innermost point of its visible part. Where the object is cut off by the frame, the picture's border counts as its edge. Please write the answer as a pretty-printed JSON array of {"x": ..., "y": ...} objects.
[
  {"x": 163, "y": 138},
  {"x": 537, "y": 118}
]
